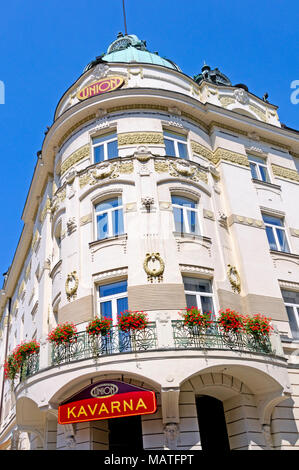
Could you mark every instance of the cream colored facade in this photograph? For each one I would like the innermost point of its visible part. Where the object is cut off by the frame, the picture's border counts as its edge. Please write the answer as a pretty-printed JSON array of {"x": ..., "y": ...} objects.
[{"x": 60, "y": 263}]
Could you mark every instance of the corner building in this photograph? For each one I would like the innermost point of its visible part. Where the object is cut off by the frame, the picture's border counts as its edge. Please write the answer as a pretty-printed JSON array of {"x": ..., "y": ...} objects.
[{"x": 156, "y": 191}]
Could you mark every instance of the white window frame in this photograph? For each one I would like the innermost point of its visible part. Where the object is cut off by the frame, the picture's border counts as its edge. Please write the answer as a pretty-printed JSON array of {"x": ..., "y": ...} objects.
[
  {"x": 296, "y": 315},
  {"x": 176, "y": 140},
  {"x": 201, "y": 294},
  {"x": 252, "y": 160},
  {"x": 280, "y": 227},
  {"x": 104, "y": 144},
  {"x": 110, "y": 220},
  {"x": 185, "y": 215},
  {"x": 111, "y": 298}
]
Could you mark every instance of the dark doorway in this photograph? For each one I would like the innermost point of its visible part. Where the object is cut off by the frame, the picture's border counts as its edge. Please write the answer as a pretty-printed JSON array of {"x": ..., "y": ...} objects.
[
  {"x": 212, "y": 425},
  {"x": 125, "y": 434}
]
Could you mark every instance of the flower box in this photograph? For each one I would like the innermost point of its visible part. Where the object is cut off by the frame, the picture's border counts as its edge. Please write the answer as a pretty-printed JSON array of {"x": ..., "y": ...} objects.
[
  {"x": 193, "y": 318},
  {"x": 231, "y": 321},
  {"x": 259, "y": 326},
  {"x": 130, "y": 321},
  {"x": 64, "y": 333},
  {"x": 18, "y": 357},
  {"x": 99, "y": 326}
]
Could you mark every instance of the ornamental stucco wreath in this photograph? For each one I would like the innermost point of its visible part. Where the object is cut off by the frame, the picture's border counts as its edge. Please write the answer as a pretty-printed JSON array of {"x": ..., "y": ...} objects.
[
  {"x": 154, "y": 273},
  {"x": 234, "y": 278},
  {"x": 71, "y": 291}
]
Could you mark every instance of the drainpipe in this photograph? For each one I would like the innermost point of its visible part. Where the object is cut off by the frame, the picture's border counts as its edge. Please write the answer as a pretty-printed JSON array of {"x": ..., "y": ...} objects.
[{"x": 5, "y": 356}]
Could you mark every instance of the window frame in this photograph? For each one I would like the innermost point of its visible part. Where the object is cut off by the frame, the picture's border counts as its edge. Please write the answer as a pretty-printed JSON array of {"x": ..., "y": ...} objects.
[
  {"x": 111, "y": 298},
  {"x": 211, "y": 294},
  {"x": 104, "y": 144},
  {"x": 109, "y": 211},
  {"x": 185, "y": 210},
  {"x": 182, "y": 140},
  {"x": 274, "y": 228},
  {"x": 253, "y": 160}
]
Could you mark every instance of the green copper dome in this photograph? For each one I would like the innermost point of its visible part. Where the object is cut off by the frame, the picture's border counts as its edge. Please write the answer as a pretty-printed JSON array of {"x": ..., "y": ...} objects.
[{"x": 130, "y": 49}]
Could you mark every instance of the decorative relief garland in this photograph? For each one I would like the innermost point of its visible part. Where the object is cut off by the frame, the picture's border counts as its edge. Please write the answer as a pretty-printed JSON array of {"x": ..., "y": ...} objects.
[
  {"x": 71, "y": 290},
  {"x": 154, "y": 273},
  {"x": 234, "y": 278}
]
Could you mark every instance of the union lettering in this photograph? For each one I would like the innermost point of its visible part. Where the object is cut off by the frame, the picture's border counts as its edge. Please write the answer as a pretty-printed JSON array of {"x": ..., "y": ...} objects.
[{"x": 102, "y": 86}]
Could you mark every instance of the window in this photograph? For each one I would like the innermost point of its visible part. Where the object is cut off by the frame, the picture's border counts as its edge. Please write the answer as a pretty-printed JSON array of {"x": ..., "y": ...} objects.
[
  {"x": 109, "y": 215},
  {"x": 199, "y": 294},
  {"x": 185, "y": 213},
  {"x": 291, "y": 301},
  {"x": 113, "y": 300},
  {"x": 175, "y": 144},
  {"x": 105, "y": 147},
  {"x": 276, "y": 233},
  {"x": 258, "y": 168}
]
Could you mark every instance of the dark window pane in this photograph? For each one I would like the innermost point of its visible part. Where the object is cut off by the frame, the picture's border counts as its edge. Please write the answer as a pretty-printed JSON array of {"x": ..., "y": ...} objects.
[
  {"x": 271, "y": 239},
  {"x": 112, "y": 149},
  {"x": 293, "y": 323},
  {"x": 178, "y": 220},
  {"x": 253, "y": 170},
  {"x": 183, "y": 153},
  {"x": 117, "y": 222},
  {"x": 197, "y": 285},
  {"x": 264, "y": 173},
  {"x": 106, "y": 309},
  {"x": 193, "y": 222},
  {"x": 282, "y": 240},
  {"x": 183, "y": 201},
  {"x": 169, "y": 147},
  {"x": 191, "y": 301},
  {"x": 108, "y": 204},
  {"x": 99, "y": 153},
  {"x": 104, "y": 138},
  {"x": 269, "y": 219},
  {"x": 207, "y": 304},
  {"x": 102, "y": 223},
  {"x": 113, "y": 288}
]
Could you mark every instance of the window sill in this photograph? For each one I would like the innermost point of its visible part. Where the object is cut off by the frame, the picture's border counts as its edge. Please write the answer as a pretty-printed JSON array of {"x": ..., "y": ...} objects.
[
  {"x": 191, "y": 236},
  {"x": 107, "y": 240},
  {"x": 284, "y": 254},
  {"x": 265, "y": 183}
]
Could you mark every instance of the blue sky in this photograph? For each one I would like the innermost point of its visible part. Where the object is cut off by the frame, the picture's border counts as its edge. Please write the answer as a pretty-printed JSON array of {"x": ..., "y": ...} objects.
[{"x": 44, "y": 47}]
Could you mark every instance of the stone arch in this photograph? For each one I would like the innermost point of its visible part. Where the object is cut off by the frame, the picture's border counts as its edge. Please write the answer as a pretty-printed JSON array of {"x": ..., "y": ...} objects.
[{"x": 72, "y": 436}]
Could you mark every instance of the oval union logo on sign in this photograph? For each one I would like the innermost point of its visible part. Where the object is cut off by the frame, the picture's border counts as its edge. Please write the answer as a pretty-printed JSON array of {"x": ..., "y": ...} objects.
[
  {"x": 102, "y": 86},
  {"x": 104, "y": 390}
]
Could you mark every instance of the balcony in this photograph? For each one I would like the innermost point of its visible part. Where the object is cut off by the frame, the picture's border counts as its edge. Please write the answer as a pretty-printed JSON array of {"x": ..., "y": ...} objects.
[{"x": 152, "y": 338}]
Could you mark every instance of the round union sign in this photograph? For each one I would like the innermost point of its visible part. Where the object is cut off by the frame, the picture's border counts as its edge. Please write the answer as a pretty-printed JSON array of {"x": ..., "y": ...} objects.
[{"x": 101, "y": 86}]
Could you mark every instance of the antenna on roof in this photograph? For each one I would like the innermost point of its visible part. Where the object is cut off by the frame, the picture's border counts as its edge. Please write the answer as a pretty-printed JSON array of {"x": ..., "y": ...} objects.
[{"x": 126, "y": 33}]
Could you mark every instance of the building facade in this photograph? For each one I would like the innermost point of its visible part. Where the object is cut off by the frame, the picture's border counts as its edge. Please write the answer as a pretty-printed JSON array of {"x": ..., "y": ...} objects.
[{"x": 154, "y": 192}]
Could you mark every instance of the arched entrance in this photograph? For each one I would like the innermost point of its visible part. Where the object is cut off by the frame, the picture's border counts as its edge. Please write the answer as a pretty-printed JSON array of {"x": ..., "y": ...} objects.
[{"x": 211, "y": 423}]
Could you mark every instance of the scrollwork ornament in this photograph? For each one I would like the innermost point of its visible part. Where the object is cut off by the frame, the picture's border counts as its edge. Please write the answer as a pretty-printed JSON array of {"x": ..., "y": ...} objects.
[
  {"x": 153, "y": 273},
  {"x": 234, "y": 278},
  {"x": 71, "y": 285}
]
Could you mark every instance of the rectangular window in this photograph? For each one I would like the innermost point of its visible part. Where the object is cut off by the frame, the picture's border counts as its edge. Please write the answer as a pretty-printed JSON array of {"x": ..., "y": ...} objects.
[
  {"x": 175, "y": 145},
  {"x": 199, "y": 294},
  {"x": 105, "y": 147},
  {"x": 291, "y": 301},
  {"x": 276, "y": 234},
  {"x": 109, "y": 216},
  {"x": 258, "y": 168},
  {"x": 113, "y": 301},
  {"x": 186, "y": 217}
]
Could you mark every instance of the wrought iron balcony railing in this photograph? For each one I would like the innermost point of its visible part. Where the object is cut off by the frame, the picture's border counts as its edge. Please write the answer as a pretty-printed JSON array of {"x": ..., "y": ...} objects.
[
  {"x": 85, "y": 346},
  {"x": 214, "y": 337}
]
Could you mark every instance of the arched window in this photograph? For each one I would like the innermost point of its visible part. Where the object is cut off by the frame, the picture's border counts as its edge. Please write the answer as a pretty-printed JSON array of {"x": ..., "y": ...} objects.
[
  {"x": 186, "y": 217},
  {"x": 109, "y": 218}
]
